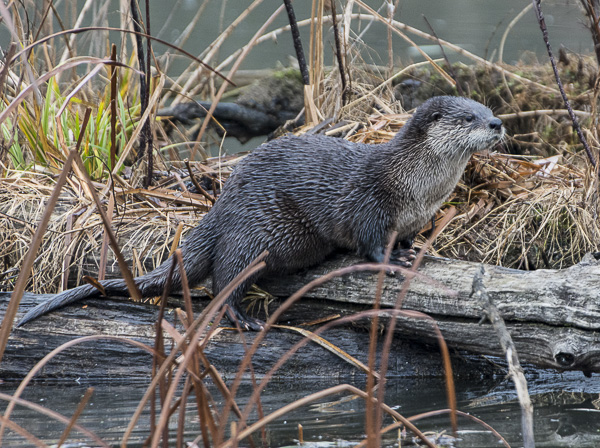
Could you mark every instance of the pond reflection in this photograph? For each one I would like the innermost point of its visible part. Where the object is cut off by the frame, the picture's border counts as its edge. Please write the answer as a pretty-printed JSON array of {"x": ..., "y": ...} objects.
[{"x": 564, "y": 416}]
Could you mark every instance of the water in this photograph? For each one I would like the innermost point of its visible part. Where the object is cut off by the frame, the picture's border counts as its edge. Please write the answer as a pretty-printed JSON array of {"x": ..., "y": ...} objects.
[
  {"x": 565, "y": 412},
  {"x": 476, "y": 26}
]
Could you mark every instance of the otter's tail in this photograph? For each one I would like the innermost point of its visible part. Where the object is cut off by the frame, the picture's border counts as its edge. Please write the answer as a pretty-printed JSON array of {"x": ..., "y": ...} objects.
[{"x": 197, "y": 260}]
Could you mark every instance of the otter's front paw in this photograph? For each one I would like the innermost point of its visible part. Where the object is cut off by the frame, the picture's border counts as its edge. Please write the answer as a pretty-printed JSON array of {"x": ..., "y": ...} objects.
[
  {"x": 235, "y": 315},
  {"x": 403, "y": 257}
]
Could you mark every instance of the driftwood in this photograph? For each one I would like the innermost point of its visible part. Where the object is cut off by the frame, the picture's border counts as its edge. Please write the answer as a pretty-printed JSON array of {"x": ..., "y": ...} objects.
[
  {"x": 553, "y": 317},
  {"x": 237, "y": 120},
  {"x": 108, "y": 358},
  {"x": 260, "y": 109}
]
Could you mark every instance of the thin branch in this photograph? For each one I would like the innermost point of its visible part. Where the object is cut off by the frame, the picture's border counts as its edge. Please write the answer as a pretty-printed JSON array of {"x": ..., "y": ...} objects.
[
  {"x": 121, "y": 30},
  {"x": 148, "y": 123},
  {"x": 542, "y": 22},
  {"x": 450, "y": 68},
  {"x": 137, "y": 27},
  {"x": 297, "y": 42},
  {"x": 514, "y": 366},
  {"x": 338, "y": 52},
  {"x": 15, "y": 298}
]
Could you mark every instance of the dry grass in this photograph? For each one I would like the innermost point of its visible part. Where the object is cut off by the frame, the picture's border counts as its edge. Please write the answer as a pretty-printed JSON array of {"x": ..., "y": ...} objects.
[
  {"x": 513, "y": 211},
  {"x": 523, "y": 213},
  {"x": 145, "y": 230}
]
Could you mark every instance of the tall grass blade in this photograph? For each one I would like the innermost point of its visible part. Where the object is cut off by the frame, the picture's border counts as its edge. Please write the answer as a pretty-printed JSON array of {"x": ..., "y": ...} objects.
[
  {"x": 113, "y": 107},
  {"x": 46, "y": 76},
  {"x": 125, "y": 272}
]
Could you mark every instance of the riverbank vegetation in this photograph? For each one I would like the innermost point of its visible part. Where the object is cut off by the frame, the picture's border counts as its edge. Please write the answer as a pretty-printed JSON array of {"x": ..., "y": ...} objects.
[{"x": 86, "y": 128}]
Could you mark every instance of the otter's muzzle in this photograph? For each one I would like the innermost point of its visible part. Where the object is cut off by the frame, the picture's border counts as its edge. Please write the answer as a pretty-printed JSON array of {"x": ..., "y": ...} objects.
[{"x": 496, "y": 124}]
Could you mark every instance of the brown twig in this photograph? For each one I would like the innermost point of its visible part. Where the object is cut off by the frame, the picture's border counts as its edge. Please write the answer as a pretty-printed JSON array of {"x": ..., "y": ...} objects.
[
  {"x": 8, "y": 58},
  {"x": 297, "y": 41},
  {"x": 199, "y": 327},
  {"x": 181, "y": 418},
  {"x": 450, "y": 68},
  {"x": 366, "y": 267},
  {"x": 104, "y": 246},
  {"x": 387, "y": 344},
  {"x": 158, "y": 356},
  {"x": 21, "y": 283},
  {"x": 234, "y": 68},
  {"x": 80, "y": 407},
  {"x": 46, "y": 359},
  {"x": 341, "y": 321},
  {"x": 144, "y": 148},
  {"x": 48, "y": 413},
  {"x": 23, "y": 432},
  {"x": 589, "y": 6},
  {"x": 202, "y": 191},
  {"x": 391, "y": 9},
  {"x": 338, "y": 51},
  {"x": 148, "y": 123},
  {"x": 125, "y": 272},
  {"x": 371, "y": 424},
  {"x": 236, "y": 438},
  {"x": 195, "y": 332},
  {"x": 542, "y": 23},
  {"x": 121, "y": 30},
  {"x": 113, "y": 108},
  {"x": 14, "y": 104}
]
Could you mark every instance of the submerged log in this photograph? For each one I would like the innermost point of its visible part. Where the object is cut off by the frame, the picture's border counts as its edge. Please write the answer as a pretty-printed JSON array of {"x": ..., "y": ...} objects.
[
  {"x": 552, "y": 315},
  {"x": 236, "y": 120}
]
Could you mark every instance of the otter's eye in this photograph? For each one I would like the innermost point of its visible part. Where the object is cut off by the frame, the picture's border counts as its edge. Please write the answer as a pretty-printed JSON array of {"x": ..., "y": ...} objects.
[
  {"x": 436, "y": 116},
  {"x": 469, "y": 118}
]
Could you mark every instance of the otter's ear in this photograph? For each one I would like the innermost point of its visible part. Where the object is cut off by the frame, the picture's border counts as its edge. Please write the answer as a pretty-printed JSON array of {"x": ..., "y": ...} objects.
[{"x": 436, "y": 116}]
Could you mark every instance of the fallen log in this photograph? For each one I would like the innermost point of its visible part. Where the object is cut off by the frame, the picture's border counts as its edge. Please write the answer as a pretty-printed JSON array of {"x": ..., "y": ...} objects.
[
  {"x": 260, "y": 109},
  {"x": 552, "y": 315},
  {"x": 107, "y": 358}
]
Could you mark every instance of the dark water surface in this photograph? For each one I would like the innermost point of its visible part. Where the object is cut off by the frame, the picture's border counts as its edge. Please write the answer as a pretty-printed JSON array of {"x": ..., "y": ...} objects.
[
  {"x": 566, "y": 411},
  {"x": 477, "y": 26}
]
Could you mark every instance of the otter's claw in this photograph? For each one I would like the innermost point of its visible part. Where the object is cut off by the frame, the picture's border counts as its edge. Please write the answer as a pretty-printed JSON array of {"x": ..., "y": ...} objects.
[
  {"x": 238, "y": 317},
  {"x": 403, "y": 257}
]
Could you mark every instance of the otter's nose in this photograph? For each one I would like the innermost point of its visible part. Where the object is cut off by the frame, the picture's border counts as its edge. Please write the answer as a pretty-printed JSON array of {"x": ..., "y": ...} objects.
[{"x": 495, "y": 124}]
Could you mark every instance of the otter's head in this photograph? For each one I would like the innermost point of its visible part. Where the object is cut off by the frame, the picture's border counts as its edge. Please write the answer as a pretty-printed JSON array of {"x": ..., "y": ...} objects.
[{"x": 454, "y": 126}]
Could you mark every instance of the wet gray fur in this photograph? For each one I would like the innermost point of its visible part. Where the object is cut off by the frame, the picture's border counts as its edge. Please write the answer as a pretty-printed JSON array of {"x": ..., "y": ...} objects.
[{"x": 300, "y": 198}]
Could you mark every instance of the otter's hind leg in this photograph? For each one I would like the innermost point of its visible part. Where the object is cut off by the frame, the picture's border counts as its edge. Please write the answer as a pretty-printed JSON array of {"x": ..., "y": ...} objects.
[
  {"x": 235, "y": 312},
  {"x": 225, "y": 270}
]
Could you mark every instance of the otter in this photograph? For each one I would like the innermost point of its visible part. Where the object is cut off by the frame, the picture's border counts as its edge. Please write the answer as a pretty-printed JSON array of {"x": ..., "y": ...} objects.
[{"x": 301, "y": 198}]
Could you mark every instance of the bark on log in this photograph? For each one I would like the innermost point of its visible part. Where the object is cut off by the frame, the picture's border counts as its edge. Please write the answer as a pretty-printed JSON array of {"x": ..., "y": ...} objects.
[
  {"x": 553, "y": 317},
  {"x": 105, "y": 358}
]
